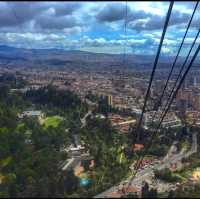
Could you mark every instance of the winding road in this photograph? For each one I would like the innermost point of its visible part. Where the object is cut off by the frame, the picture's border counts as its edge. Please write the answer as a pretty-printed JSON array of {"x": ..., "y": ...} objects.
[{"x": 149, "y": 172}]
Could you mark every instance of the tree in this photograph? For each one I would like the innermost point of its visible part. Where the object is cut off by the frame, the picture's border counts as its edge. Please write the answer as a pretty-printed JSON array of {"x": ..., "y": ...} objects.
[
  {"x": 145, "y": 190},
  {"x": 152, "y": 193},
  {"x": 92, "y": 97},
  {"x": 166, "y": 175},
  {"x": 146, "y": 193},
  {"x": 171, "y": 194},
  {"x": 4, "y": 91},
  {"x": 70, "y": 182},
  {"x": 50, "y": 96},
  {"x": 130, "y": 195},
  {"x": 36, "y": 163},
  {"x": 86, "y": 164}
]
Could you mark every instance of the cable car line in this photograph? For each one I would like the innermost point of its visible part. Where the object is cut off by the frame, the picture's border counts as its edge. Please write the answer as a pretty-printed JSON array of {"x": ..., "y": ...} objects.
[
  {"x": 169, "y": 105},
  {"x": 181, "y": 70},
  {"x": 155, "y": 65},
  {"x": 176, "y": 58},
  {"x": 153, "y": 70},
  {"x": 174, "y": 63}
]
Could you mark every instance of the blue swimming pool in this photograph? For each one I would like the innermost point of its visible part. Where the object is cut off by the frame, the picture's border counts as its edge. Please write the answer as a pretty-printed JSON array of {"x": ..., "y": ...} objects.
[{"x": 84, "y": 181}]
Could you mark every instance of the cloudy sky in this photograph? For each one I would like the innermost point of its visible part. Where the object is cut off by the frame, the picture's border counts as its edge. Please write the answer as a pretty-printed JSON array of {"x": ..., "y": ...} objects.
[{"x": 96, "y": 26}]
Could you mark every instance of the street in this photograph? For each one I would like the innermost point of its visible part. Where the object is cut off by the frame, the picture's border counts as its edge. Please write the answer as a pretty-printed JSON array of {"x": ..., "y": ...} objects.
[
  {"x": 83, "y": 120},
  {"x": 147, "y": 173}
]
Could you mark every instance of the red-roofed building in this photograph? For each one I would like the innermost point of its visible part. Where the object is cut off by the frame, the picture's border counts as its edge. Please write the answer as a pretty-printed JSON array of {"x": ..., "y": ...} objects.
[
  {"x": 114, "y": 195},
  {"x": 138, "y": 147}
]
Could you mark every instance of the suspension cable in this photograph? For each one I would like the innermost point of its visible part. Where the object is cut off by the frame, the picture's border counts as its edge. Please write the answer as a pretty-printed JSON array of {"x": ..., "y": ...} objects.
[
  {"x": 174, "y": 95},
  {"x": 171, "y": 100},
  {"x": 125, "y": 34},
  {"x": 181, "y": 70},
  {"x": 179, "y": 85},
  {"x": 174, "y": 63},
  {"x": 176, "y": 58},
  {"x": 80, "y": 49},
  {"x": 155, "y": 65},
  {"x": 123, "y": 55},
  {"x": 153, "y": 72}
]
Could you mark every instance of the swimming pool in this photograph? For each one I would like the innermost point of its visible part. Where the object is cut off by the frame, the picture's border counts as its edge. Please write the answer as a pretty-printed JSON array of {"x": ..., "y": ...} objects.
[{"x": 84, "y": 181}]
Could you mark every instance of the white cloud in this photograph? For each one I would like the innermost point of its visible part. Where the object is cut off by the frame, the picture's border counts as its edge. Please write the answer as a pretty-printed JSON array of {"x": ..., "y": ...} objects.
[
  {"x": 156, "y": 8},
  {"x": 169, "y": 42},
  {"x": 166, "y": 50},
  {"x": 29, "y": 35}
]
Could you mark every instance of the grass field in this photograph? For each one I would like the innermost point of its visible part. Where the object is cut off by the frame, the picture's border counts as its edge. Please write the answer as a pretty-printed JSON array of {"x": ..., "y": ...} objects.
[
  {"x": 5, "y": 162},
  {"x": 121, "y": 158},
  {"x": 53, "y": 121},
  {"x": 20, "y": 125},
  {"x": 1, "y": 178}
]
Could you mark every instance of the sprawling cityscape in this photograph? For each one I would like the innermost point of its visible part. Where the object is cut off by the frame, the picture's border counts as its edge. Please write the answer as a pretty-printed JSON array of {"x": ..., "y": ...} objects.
[{"x": 80, "y": 123}]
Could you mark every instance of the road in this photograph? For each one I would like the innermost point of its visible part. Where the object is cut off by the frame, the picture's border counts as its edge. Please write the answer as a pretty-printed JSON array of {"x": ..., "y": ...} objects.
[
  {"x": 74, "y": 160},
  {"x": 90, "y": 103},
  {"x": 143, "y": 175},
  {"x": 83, "y": 120},
  {"x": 147, "y": 80},
  {"x": 126, "y": 122}
]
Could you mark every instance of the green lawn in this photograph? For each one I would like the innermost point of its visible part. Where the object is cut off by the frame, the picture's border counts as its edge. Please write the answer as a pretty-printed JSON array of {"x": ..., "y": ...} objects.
[
  {"x": 53, "y": 121},
  {"x": 5, "y": 162},
  {"x": 84, "y": 175},
  {"x": 185, "y": 145},
  {"x": 187, "y": 171},
  {"x": 121, "y": 158},
  {"x": 1, "y": 177},
  {"x": 20, "y": 125}
]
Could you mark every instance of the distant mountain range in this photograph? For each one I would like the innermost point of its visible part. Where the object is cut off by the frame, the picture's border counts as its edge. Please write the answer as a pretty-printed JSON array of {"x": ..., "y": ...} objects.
[{"x": 20, "y": 57}]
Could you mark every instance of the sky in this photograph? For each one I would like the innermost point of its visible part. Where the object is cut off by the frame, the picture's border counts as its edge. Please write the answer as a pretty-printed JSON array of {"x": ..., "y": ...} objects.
[{"x": 97, "y": 26}]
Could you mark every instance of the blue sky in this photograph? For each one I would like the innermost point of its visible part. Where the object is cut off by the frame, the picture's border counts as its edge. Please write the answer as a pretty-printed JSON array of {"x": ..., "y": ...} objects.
[{"x": 96, "y": 26}]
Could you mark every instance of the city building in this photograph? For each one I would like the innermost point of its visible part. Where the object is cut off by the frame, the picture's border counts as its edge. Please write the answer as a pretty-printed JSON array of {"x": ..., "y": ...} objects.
[
  {"x": 196, "y": 174},
  {"x": 35, "y": 114},
  {"x": 196, "y": 101},
  {"x": 138, "y": 147},
  {"x": 123, "y": 124},
  {"x": 153, "y": 117},
  {"x": 110, "y": 100}
]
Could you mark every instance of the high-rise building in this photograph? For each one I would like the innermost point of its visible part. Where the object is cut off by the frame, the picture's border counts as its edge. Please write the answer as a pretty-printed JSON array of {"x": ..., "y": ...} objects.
[
  {"x": 185, "y": 84},
  {"x": 196, "y": 103},
  {"x": 185, "y": 94},
  {"x": 110, "y": 100},
  {"x": 195, "y": 81}
]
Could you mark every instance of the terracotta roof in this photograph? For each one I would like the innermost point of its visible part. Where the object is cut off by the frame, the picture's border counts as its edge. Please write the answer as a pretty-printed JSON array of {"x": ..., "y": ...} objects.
[
  {"x": 114, "y": 195},
  {"x": 137, "y": 147},
  {"x": 130, "y": 189}
]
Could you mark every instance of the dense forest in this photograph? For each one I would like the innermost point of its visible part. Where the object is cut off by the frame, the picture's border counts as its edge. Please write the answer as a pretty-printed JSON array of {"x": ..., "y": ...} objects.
[{"x": 30, "y": 154}]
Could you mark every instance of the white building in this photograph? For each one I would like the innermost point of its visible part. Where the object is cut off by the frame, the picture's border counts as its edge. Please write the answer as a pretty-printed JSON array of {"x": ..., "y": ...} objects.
[
  {"x": 153, "y": 117},
  {"x": 37, "y": 114}
]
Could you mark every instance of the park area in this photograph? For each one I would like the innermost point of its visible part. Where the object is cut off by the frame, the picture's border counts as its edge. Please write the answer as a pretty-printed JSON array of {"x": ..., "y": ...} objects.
[{"x": 52, "y": 121}]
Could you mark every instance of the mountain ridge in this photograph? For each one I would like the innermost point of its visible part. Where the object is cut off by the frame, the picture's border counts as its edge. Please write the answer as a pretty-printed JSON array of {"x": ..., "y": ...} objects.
[{"x": 53, "y": 57}]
